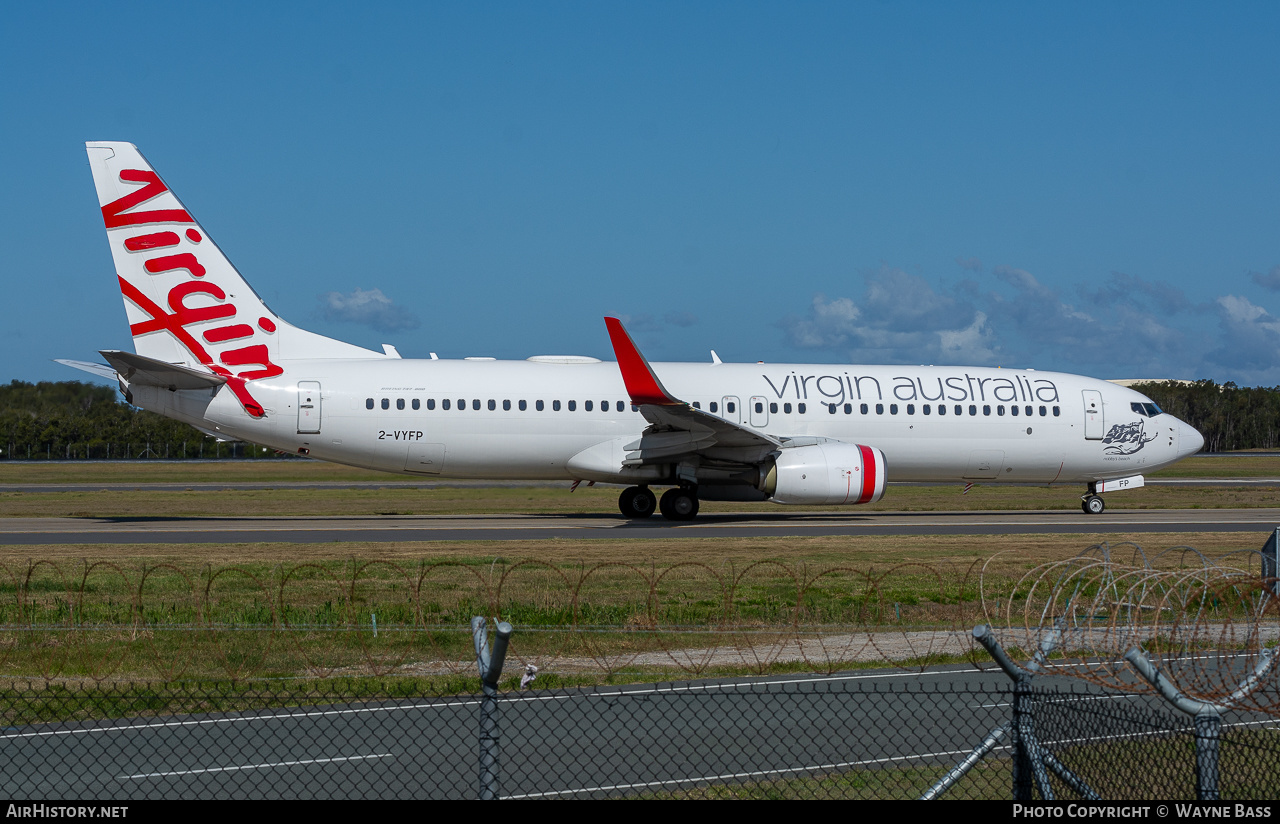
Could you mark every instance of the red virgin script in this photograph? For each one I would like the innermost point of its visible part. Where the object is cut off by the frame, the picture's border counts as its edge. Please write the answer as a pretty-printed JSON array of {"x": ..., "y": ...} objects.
[{"x": 179, "y": 315}]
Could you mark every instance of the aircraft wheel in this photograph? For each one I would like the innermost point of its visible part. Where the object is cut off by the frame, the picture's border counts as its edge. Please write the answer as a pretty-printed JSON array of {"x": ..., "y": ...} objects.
[
  {"x": 637, "y": 502},
  {"x": 679, "y": 504},
  {"x": 1093, "y": 505}
]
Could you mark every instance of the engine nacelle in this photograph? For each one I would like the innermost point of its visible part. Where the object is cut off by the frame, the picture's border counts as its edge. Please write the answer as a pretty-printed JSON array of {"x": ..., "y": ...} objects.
[{"x": 825, "y": 473}]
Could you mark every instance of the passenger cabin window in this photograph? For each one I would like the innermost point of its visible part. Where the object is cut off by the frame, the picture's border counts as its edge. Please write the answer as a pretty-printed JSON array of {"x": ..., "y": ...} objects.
[
  {"x": 911, "y": 409},
  {"x": 893, "y": 409},
  {"x": 760, "y": 407},
  {"x": 539, "y": 405},
  {"x": 1000, "y": 410},
  {"x": 925, "y": 409},
  {"x": 586, "y": 406},
  {"x": 444, "y": 404},
  {"x": 431, "y": 403},
  {"x": 462, "y": 404},
  {"x": 799, "y": 408},
  {"x": 506, "y": 406},
  {"x": 573, "y": 406},
  {"x": 731, "y": 407},
  {"x": 986, "y": 409},
  {"x": 1043, "y": 411},
  {"x": 493, "y": 405},
  {"x": 773, "y": 409},
  {"x": 715, "y": 407},
  {"x": 417, "y": 404},
  {"x": 368, "y": 403},
  {"x": 524, "y": 405},
  {"x": 1057, "y": 411},
  {"x": 399, "y": 403},
  {"x": 555, "y": 406},
  {"x": 786, "y": 409},
  {"x": 831, "y": 408},
  {"x": 1013, "y": 410},
  {"x": 386, "y": 403},
  {"x": 942, "y": 409},
  {"x": 879, "y": 409},
  {"x": 863, "y": 409},
  {"x": 848, "y": 409}
]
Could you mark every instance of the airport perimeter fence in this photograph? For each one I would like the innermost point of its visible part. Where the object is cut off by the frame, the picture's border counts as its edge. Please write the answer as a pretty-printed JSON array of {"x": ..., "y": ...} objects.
[{"x": 793, "y": 736}]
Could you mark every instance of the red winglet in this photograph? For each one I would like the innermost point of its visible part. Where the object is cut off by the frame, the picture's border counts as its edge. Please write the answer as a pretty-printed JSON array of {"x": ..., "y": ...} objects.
[{"x": 642, "y": 385}]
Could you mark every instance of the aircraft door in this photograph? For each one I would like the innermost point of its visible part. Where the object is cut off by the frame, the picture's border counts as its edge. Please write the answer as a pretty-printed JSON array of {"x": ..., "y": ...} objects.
[
  {"x": 1094, "y": 422},
  {"x": 731, "y": 409},
  {"x": 759, "y": 412},
  {"x": 308, "y": 407}
]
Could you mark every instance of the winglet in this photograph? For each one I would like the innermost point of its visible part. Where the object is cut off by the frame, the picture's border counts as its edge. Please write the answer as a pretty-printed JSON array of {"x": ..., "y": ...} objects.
[{"x": 642, "y": 384}]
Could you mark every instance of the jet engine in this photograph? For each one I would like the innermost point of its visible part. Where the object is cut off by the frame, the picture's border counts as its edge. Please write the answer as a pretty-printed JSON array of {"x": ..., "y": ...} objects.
[{"x": 825, "y": 473}]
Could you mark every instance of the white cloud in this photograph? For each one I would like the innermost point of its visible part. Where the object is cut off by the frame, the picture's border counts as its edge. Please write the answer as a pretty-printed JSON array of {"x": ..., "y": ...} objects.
[{"x": 369, "y": 308}]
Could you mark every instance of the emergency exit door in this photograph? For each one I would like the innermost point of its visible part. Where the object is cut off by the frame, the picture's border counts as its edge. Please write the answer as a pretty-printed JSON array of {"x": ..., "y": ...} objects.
[
  {"x": 1094, "y": 423},
  {"x": 308, "y": 407}
]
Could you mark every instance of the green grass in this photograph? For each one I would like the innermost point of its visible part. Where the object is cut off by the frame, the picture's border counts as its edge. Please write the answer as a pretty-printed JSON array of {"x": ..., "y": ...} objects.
[{"x": 138, "y": 501}]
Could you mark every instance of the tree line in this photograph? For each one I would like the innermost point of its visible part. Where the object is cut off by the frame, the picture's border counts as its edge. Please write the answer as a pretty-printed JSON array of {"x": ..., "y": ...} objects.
[
  {"x": 74, "y": 420},
  {"x": 1230, "y": 417}
]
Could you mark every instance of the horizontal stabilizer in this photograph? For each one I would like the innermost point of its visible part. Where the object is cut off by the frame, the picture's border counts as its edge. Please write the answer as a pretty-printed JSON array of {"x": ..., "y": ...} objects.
[
  {"x": 99, "y": 369},
  {"x": 151, "y": 372}
]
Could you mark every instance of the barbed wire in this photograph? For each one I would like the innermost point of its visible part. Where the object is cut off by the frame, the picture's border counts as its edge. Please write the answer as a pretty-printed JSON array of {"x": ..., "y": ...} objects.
[{"x": 1203, "y": 621}]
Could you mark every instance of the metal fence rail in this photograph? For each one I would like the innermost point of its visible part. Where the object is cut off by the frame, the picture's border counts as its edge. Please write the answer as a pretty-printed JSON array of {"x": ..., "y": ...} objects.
[{"x": 778, "y": 737}]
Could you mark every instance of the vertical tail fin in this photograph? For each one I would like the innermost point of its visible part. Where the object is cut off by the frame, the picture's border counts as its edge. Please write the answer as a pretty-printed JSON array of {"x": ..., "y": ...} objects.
[{"x": 185, "y": 302}]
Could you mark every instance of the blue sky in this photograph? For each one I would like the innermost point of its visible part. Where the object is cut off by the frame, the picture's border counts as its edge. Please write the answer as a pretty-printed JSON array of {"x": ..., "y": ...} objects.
[{"x": 1088, "y": 187}]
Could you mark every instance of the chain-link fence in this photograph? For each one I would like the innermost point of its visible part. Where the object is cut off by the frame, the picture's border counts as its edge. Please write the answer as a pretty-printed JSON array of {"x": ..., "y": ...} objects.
[{"x": 869, "y": 735}]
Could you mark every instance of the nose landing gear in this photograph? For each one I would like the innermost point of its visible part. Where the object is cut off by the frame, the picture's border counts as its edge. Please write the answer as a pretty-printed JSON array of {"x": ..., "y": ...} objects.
[{"x": 1092, "y": 505}]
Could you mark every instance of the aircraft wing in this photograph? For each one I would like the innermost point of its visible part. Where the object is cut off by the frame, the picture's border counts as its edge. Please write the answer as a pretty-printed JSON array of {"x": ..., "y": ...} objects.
[{"x": 676, "y": 429}]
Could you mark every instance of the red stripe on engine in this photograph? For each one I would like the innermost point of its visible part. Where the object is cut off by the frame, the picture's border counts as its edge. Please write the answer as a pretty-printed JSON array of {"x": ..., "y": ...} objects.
[{"x": 868, "y": 473}]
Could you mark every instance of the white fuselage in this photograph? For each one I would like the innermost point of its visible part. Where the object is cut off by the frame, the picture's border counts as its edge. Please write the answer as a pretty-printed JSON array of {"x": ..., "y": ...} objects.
[{"x": 573, "y": 421}]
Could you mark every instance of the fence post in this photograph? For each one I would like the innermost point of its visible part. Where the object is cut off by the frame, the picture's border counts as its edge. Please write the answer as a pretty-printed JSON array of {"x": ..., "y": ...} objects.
[
  {"x": 1206, "y": 715},
  {"x": 1208, "y": 729},
  {"x": 490, "y": 665}
]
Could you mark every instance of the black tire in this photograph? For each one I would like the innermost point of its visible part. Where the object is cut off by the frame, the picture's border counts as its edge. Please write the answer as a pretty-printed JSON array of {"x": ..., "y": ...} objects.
[
  {"x": 637, "y": 502},
  {"x": 679, "y": 504},
  {"x": 1093, "y": 505}
]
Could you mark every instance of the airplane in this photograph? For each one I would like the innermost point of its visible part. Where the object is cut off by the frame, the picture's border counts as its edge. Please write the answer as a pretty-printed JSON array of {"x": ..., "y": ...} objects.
[{"x": 209, "y": 352}]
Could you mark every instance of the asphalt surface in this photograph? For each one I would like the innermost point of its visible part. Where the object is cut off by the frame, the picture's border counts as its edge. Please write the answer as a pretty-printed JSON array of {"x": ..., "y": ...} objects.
[
  {"x": 384, "y": 529},
  {"x": 573, "y": 743}
]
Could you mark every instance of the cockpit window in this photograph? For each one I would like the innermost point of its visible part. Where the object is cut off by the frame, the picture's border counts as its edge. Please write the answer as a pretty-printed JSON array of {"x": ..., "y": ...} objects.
[{"x": 1149, "y": 410}]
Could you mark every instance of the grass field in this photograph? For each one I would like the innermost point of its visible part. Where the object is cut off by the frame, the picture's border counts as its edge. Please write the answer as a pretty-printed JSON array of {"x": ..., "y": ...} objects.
[
  {"x": 288, "y": 610},
  {"x": 136, "y": 499}
]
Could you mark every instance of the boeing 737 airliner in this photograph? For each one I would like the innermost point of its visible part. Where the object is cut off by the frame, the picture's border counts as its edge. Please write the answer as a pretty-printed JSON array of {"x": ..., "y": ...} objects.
[{"x": 209, "y": 352}]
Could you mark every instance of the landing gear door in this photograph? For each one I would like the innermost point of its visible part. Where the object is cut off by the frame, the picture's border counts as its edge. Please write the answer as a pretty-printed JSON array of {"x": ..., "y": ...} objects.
[
  {"x": 308, "y": 407},
  {"x": 731, "y": 409},
  {"x": 1094, "y": 424}
]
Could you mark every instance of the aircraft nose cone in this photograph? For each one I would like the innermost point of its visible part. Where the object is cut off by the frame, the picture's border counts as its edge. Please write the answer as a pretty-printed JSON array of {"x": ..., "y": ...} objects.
[{"x": 1190, "y": 440}]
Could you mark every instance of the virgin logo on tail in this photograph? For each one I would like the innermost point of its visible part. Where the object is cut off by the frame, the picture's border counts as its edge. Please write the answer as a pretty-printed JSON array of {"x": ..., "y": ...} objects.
[{"x": 180, "y": 315}]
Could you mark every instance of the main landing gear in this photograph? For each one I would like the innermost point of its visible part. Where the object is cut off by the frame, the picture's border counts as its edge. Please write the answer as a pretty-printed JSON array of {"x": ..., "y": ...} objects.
[
  {"x": 637, "y": 502},
  {"x": 678, "y": 504}
]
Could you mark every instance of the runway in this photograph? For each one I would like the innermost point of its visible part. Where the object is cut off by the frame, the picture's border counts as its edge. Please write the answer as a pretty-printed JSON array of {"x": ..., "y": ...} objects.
[
  {"x": 1112, "y": 525},
  {"x": 591, "y": 742}
]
